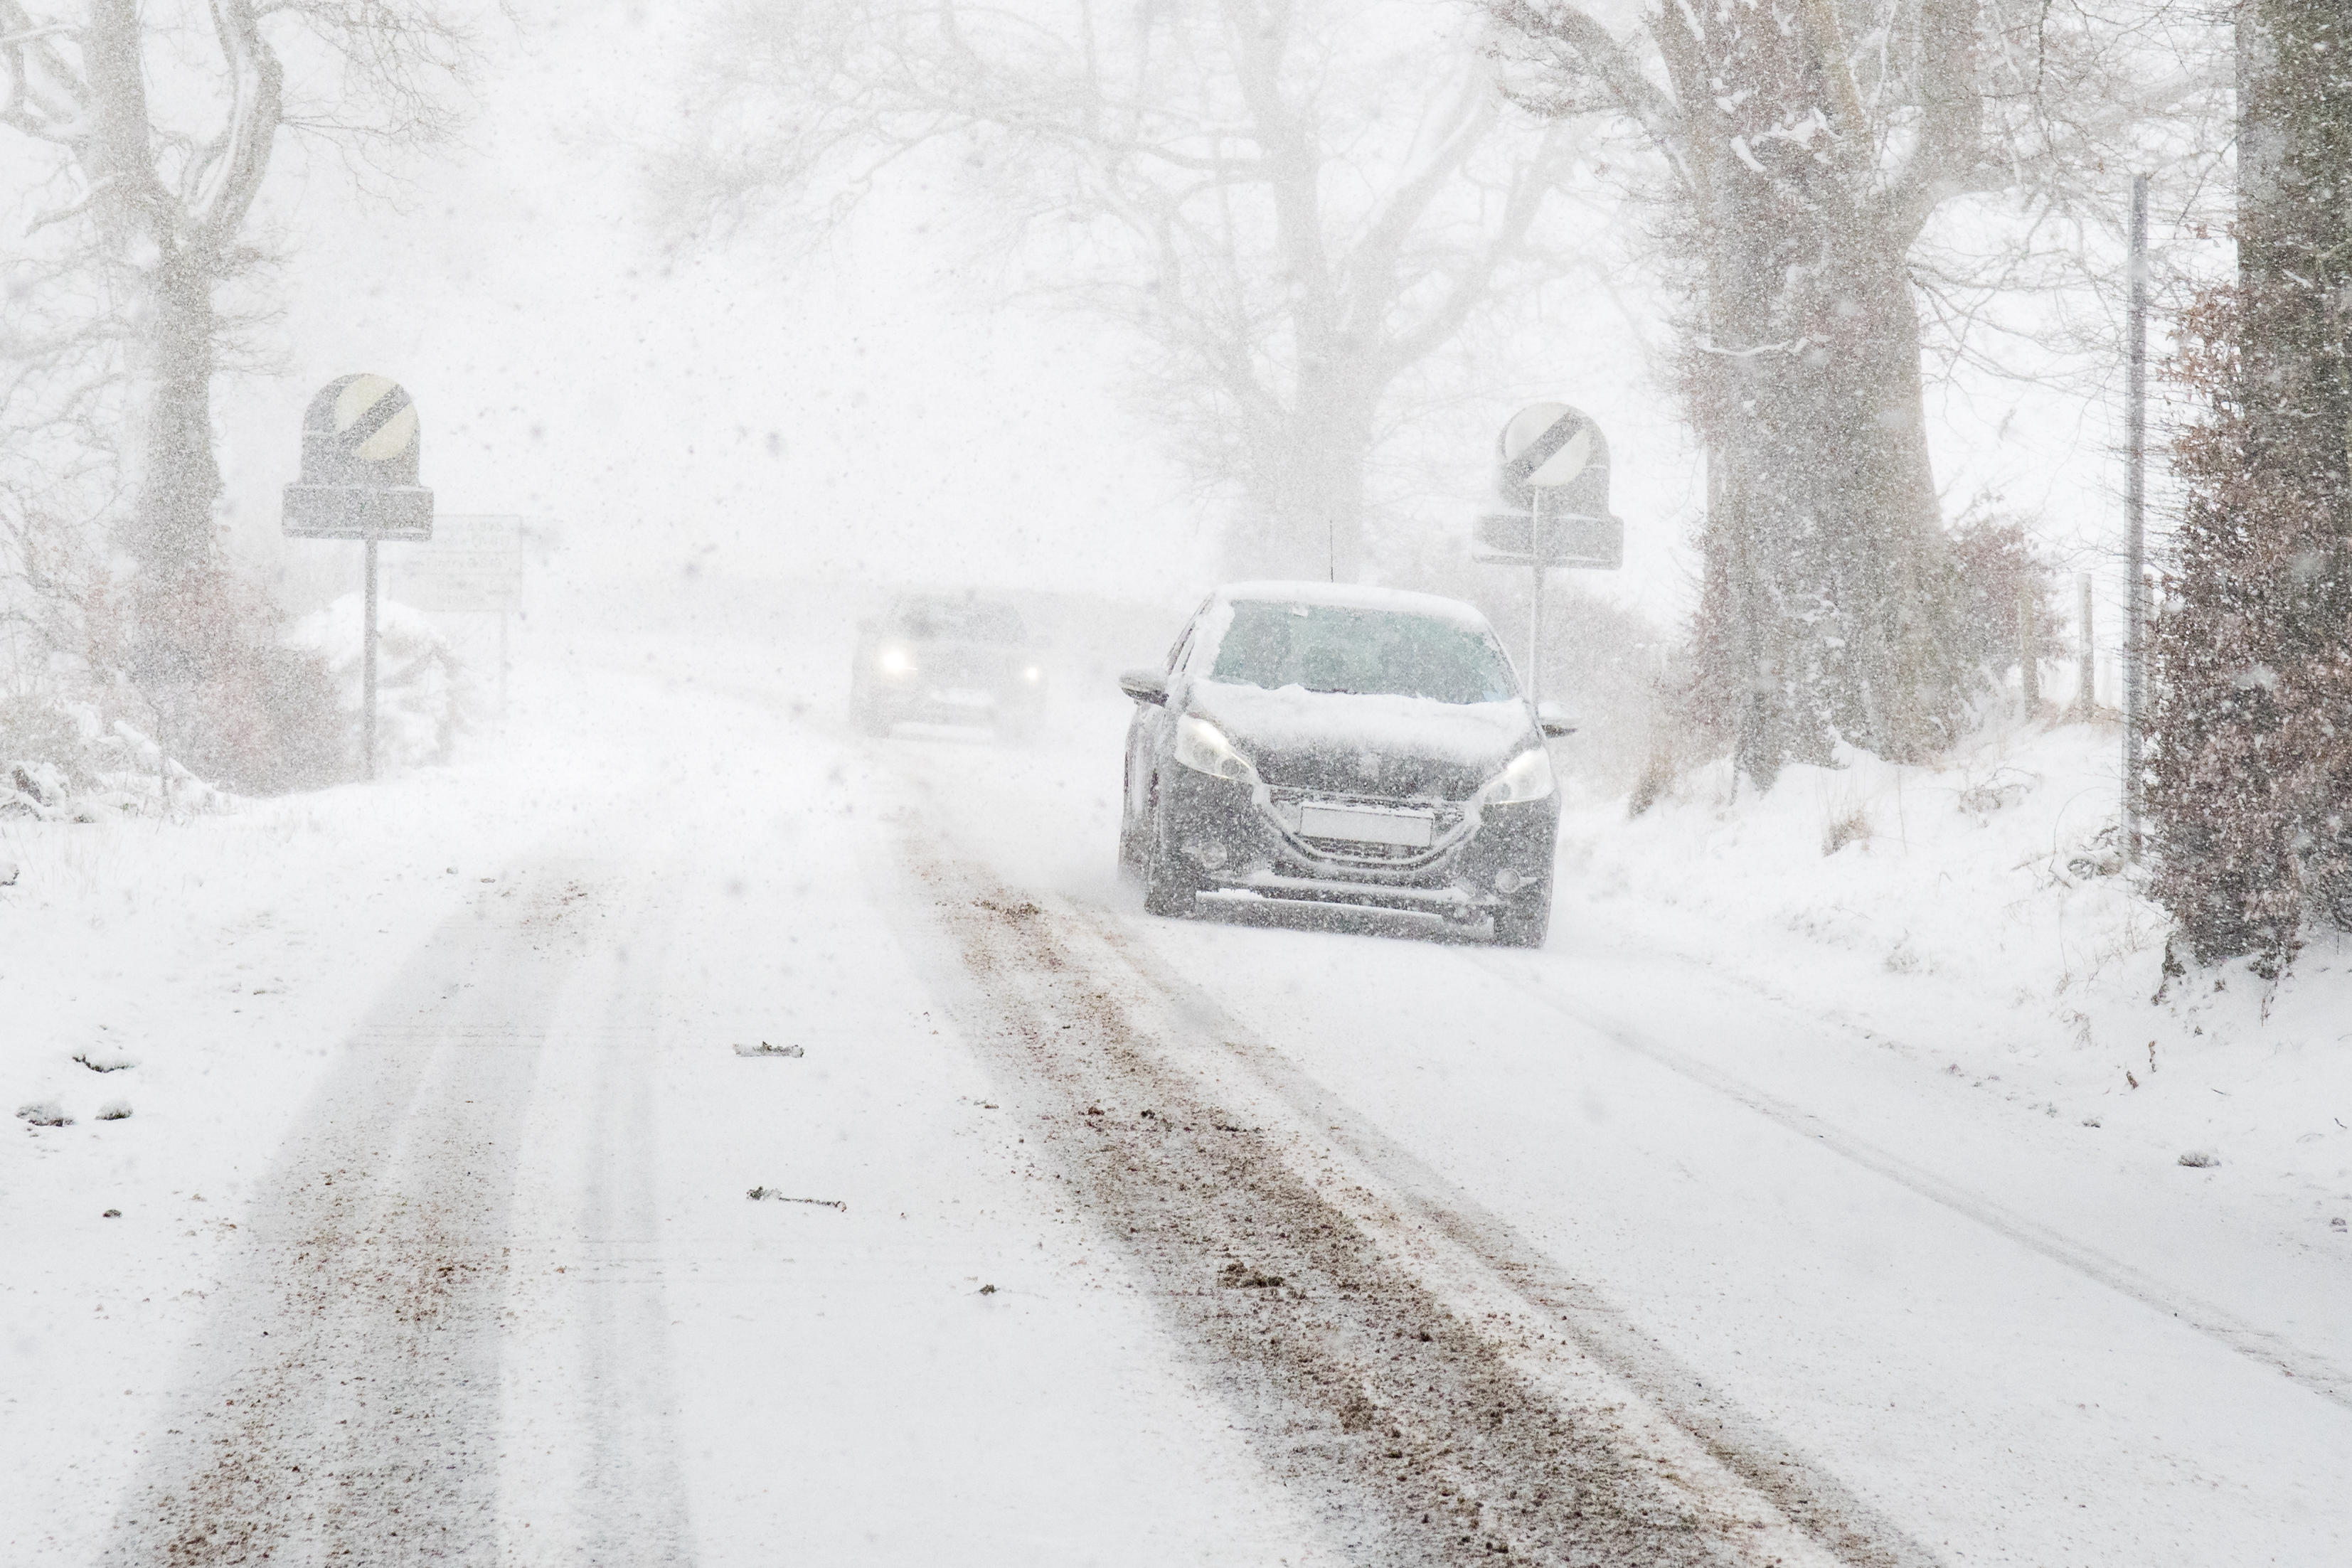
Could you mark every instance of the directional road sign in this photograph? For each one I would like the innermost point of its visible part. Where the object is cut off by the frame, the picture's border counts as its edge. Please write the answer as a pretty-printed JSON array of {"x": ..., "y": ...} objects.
[{"x": 473, "y": 563}]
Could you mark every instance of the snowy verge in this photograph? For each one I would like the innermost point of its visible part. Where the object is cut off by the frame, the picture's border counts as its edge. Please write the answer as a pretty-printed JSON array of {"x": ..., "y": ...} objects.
[
  {"x": 1981, "y": 914},
  {"x": 62, "y": 761},
  {"x": 172, "y": 988}
]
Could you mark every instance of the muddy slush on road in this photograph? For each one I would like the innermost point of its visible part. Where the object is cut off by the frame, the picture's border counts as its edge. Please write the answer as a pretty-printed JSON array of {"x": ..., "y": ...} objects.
[{"x": 1437, "y": 1392}]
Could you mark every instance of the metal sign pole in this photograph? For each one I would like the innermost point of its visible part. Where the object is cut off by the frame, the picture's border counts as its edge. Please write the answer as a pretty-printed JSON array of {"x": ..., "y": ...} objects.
[
  {"x": 2134, "y": 513},
  {"x": 367, "y": 639},
  {"x": 1535, "y": 603}
]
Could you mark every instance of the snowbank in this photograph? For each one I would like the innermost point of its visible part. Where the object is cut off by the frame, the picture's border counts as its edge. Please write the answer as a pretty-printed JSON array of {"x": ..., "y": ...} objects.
[{"x": 1981, "y": 915}]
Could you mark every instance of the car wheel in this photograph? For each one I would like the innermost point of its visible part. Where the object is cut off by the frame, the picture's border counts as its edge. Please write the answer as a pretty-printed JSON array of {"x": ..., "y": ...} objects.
[
  {"x": 1524, "y": 924},
  {"x": 1168, "y": 887}
]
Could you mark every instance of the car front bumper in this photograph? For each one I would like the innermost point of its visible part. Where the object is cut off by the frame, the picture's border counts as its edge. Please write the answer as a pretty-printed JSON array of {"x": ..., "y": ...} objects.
[{"x": 1231, "y": 841}]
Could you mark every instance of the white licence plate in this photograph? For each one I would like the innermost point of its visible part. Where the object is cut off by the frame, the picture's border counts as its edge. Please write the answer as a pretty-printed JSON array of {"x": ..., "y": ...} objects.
[
  {"x": 1413, "y": 830},
  {"x": 965, "y": 696}
]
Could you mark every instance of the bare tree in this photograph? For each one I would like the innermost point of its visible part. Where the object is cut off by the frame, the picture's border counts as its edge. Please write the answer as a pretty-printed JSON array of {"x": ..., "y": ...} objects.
[
  {"x": 1291, "y": 202},
  {"x": 162, "y": 118},
  {"x": 1804, "y": 145}
]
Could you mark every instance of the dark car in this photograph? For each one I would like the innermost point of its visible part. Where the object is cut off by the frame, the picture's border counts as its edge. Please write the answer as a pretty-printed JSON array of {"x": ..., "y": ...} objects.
[
  {"x": 1341, "y": 746},
  {"x": 947, "y": 658}
]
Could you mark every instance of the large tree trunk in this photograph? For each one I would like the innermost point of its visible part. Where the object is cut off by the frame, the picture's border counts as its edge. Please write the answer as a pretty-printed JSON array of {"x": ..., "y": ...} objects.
[
  {"x": 180, "y": 234},
  {"x": 1827, "y": 593},
  {"x": 179, "y": 480},
  {"x": 1825, "y": 603}
]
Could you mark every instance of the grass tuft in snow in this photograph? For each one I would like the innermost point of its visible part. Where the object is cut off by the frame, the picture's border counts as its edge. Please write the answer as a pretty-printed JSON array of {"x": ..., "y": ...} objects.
[
  {"x": 1852, "y": 828},
  {"x": 764, "y": 1049},
  {"x": 44, "y": 1114},
  {"x": 115, "y": 1111}
]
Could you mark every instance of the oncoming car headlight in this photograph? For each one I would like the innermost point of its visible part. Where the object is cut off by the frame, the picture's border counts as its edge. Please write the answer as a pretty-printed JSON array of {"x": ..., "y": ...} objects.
[
  {"x": 1202, "y": 748},
  {"x": 1526, "y": 776},
  {"x": 895, "y": 662},
  {"x": 1033, "y": 675}
]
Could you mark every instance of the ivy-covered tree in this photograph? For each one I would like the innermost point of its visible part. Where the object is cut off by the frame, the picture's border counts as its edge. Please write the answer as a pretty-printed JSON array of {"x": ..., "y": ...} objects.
[
  {"x": 1802, "y": 149},
  {"x": 2250, "y": 783}
]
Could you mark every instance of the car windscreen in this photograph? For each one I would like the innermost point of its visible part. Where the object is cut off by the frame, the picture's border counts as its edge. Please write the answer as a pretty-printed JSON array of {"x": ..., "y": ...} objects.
[
  {"x": 961, "y": 621},
  {"x": 1336, "y": 648}
]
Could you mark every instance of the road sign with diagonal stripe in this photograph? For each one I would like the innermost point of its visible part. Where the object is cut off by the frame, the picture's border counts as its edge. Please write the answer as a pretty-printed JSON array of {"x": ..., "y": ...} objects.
[
  {"x": 359, "y": 481},
  {"x": 359, "y": 449},
  {"x": 1552, "y": 465}
]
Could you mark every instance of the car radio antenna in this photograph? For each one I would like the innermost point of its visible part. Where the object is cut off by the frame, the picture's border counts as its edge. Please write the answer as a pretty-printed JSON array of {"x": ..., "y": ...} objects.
[{"x": 1330, "y": 548}]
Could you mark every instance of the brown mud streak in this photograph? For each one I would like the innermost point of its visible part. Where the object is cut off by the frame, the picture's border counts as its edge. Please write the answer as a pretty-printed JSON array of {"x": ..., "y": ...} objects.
[
  {"x": 1410, "y": 1426},
  {"x": 339, "y": 1400}
]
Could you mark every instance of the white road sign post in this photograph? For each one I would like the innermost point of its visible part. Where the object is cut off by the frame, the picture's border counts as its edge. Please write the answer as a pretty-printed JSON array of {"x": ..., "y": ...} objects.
[
  {"x": 1552, "y": 463},
  {"x": 359, "y": 449}
]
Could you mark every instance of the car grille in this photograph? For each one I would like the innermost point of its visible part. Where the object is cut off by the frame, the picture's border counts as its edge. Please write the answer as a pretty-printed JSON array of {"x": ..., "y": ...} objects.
[{"x": 1448, "y": 819}]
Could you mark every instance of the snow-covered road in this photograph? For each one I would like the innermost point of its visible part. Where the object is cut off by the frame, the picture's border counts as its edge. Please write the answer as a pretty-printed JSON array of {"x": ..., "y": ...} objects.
[
  {"x": 1597, "y": 1254},
  {"x": 2011, "y": 1343}
]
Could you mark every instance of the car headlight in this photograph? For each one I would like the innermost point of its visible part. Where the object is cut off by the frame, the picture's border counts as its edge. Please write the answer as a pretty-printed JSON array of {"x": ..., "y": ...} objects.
[
  {"x": 1526, "y": 776},
  {"x": 895, "y": 662},
  {"x": 1033, "y": 675},
  {"x": 1202, "y": 747}
]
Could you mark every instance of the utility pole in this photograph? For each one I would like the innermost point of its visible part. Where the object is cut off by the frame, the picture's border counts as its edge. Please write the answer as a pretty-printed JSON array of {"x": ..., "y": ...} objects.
[
  {"x": 2135, "y": 514},
  {"x": 2029, "y": 647},
  {"x": 2086, "y": 683}
]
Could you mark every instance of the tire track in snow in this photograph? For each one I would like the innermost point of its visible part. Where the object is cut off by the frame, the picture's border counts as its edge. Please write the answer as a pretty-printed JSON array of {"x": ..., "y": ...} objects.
[
  {"x": 1445, "y": 1392},
  {"x": 340, "y": 1403},
  {"x": 2273, "y": 1350},
  {"x": 590, "y": 1460}
]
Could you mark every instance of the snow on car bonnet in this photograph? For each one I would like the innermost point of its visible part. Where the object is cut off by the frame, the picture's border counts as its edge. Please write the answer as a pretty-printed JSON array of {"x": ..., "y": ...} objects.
[{"x": 1292, "y": 717}]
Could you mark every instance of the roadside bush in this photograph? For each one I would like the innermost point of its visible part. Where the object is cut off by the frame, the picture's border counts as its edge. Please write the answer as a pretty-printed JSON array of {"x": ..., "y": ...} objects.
[
  {"x": 228, "y": 698},
  {"x": 1996, "y": 572},
  {"x": 425, "y": 698},
  {"x": 114, "y": 685}
]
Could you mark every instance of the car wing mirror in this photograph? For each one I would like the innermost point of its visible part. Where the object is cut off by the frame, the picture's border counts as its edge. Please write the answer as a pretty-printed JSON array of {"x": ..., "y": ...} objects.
[
  {"x": 1554, "y": 720},
  {"x": 1145, "y": 686}
]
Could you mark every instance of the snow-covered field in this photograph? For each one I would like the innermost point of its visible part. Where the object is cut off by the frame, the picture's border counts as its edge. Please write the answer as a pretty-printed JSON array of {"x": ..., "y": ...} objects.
[{"x": 1828, "y": 1157}]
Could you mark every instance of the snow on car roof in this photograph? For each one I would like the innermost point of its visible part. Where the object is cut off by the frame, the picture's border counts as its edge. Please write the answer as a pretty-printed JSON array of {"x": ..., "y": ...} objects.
[{"x": 1353, "y": 596}]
